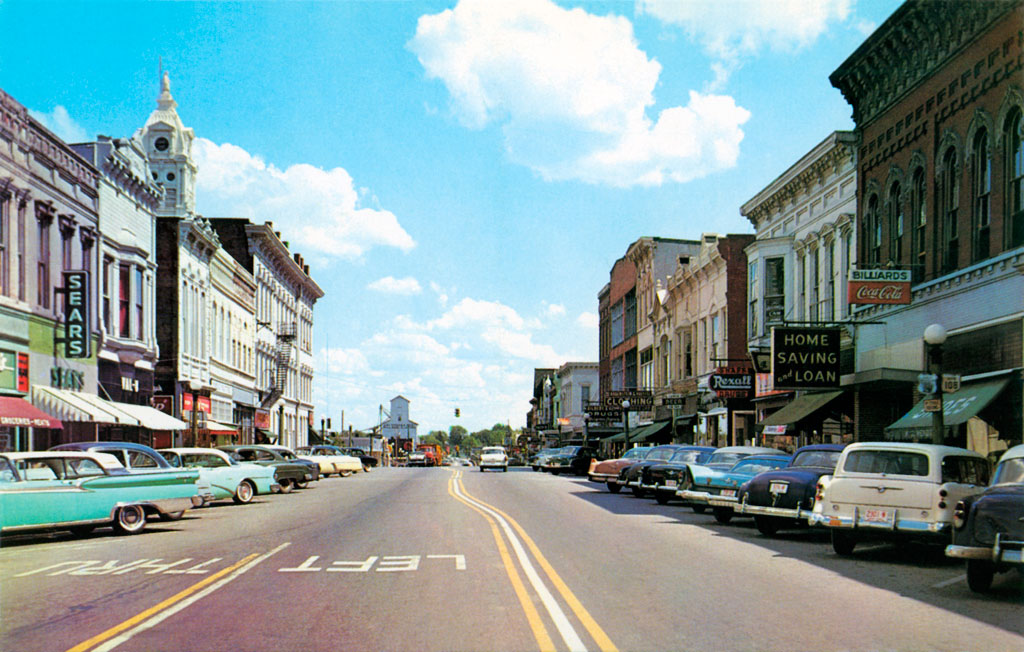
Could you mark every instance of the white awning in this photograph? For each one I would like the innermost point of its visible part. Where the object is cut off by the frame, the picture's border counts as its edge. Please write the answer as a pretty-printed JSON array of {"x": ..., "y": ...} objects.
[
  {"x": 151, "y": 418},
  {"x": 67, "y": 405}
]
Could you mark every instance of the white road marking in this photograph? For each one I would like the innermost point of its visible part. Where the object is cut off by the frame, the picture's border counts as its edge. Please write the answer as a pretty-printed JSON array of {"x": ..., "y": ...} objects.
[
  {"x": 565, "y": 628},
  {"x": 170, "y": 611},
  {"x": 353, "y": 566}
]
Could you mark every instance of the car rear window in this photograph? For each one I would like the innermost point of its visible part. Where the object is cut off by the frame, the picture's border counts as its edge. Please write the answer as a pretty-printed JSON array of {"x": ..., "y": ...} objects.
[
  {"x": 964, "y": 470},
  {"x": 1010, "y": 471},
  {"x": 890, "y": 462},
  {"x": 827, "y": 459}
]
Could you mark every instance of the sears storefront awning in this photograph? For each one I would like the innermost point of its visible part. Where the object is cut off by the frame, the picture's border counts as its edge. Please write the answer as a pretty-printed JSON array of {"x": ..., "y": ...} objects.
[
  {"x": 18, "y": 413},
  {"x": 68, "y": 405},
  {"x": 800, "y": 408},
  {"x": 957, "y": 408},
  {"x": 150, "y": 417},
  {"x": 216, "y": 428}
]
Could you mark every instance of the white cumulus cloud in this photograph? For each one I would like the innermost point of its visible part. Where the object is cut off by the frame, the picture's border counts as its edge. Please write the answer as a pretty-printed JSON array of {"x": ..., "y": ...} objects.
[
  {"x": 391, "y": 285},
  {"x": 587, "y": 320},
  {"x": 60, "y": 122},
  {"x": 731, "y": 31},
  {"x": 319, "y": 210},
  {"x": 571, "y": 91}
]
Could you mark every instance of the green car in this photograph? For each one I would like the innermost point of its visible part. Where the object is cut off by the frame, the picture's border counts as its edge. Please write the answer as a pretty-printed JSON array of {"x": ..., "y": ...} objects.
[{"x": 79, "y": 491}]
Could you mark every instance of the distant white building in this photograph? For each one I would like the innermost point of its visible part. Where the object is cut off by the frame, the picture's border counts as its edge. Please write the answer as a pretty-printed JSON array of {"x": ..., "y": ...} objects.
[
  {"x": 398, "y": 424},
  {"x": 577, "y": 386}
]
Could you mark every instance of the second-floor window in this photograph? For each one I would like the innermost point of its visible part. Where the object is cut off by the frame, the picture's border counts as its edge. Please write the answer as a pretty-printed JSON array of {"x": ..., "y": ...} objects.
[
  {"x": 618, "y": 334},
  {"x": 1015, "y": 179},
  {"x": 981, "y": 181},
  {"x": 774, "y": 290},
  {"x": 124, "y": 298},
  {"x": 5, "y": 234},
  {"x": 896, "y": 223},
  {"x": 950, "y": 250},
  {"x": 139, "y": 304},
  {"x": 872, "y": 233},
  {"x": 919, "y": 219},
  {"x": 815, "y": 284}
]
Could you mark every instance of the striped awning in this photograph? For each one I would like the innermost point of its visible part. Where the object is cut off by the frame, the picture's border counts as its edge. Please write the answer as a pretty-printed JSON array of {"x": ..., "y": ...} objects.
[{"x": 68, "y": 405}]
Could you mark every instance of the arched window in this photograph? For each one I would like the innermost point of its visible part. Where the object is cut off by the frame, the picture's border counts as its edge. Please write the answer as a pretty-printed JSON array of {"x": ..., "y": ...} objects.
[
  {"x": 872, "y": 233},
  {"x": 949, "y": 251},
  {"x": 919, "y": 221},
  {"x": 896, "y": 223},
  {"x": 1015, "y": 180},
  {"x": 981, "y": 181}
]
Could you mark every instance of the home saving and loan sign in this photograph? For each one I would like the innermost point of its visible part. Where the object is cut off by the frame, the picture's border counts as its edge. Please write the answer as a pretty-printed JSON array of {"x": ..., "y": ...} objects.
[{"x": 805, "y": 358}]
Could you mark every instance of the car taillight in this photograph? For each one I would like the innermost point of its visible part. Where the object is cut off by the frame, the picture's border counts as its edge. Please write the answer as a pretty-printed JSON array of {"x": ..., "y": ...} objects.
[
  {"x": 960, "y": 515},
  {"x": 819, "y": 492}
]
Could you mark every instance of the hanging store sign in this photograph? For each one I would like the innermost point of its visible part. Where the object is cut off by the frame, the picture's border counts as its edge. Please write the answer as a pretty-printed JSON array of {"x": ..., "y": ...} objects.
[
  {"x": 77, "y": 328},
  {"x": 203, "y": 404},
  {"x": 262, "y": 419},
  {"x": 639, "y": 399},
  {"x": 879, "y": 286},
  {"x": 805, "y": 358},
  {"x": 732, "y": 382},
  {"x": 186, "y": 402},
  {"x": 163, "y": 402}
]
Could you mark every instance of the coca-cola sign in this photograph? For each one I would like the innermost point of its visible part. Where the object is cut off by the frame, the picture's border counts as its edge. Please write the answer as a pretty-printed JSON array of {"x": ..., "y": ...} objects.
[{"x": 879, "y": 286}]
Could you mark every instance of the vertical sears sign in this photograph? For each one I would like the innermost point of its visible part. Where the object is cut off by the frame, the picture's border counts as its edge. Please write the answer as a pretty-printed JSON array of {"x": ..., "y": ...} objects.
[
  {"x": 77, "y": 325},
  {"x": 805, "y": 358}
]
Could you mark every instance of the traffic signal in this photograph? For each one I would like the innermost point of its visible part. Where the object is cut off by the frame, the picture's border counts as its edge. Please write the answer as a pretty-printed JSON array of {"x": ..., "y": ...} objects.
[
  {"x": 456, "y": 411},
  {"x": 328, "y": 423}
]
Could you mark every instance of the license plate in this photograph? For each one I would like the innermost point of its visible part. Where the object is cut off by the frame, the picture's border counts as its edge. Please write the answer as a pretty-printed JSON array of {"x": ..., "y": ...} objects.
[
  {"x": 878, "y": 516},
  {"x": 670, "y": 483},
  {"x": 729, "y": 493},
  {"x": 778, "y": 487}
]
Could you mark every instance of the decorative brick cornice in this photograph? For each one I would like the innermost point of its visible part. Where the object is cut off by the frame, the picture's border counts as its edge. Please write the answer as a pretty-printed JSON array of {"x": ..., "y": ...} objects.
[{"x": 917, "y": 40}]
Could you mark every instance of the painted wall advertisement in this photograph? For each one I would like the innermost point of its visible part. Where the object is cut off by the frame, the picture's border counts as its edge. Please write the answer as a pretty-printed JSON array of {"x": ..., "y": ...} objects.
[{"x": 805, "y": 358}]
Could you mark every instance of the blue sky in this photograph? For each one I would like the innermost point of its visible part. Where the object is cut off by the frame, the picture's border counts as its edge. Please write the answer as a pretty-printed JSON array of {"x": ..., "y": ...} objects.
[{"x": 461, "y": 176}]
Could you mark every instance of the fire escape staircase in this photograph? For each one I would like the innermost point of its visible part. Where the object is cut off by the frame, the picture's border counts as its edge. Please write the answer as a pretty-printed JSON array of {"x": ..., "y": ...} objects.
[{"x": 282, "y": 357}]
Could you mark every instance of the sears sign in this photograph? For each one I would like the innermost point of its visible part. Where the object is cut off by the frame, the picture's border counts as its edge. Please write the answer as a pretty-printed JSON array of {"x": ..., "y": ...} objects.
[{"x": 77, "y": 326}]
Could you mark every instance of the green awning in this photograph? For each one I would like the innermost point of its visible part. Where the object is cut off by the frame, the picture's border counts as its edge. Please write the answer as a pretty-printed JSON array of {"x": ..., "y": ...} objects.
[
  {"x": 957, "y": 408},
  {"x": 619, "y": 437},
  {"x": 652, "y": 431},
  {"x": 800, "y": 408}
]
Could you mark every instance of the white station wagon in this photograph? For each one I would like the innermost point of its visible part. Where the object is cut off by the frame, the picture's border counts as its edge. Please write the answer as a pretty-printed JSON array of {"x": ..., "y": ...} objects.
[{"x": 899, "y": 490}]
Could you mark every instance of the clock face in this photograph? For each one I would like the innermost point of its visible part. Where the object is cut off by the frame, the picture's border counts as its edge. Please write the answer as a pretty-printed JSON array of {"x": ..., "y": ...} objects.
[{"x": 161, "y": 143}]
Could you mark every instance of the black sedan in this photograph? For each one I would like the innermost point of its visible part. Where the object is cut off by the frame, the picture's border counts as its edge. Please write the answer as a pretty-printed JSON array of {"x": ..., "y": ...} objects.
[
  {"x": 662, "y": 479},
  {"x": 570, "y": 459},
  {"x": 288, "y": 474},
  {"x": 784, "y": 497},
  {"x": 988, "y": 529},
  {"x": 369, "y": 461},
  {"x": 632, "y": 475}
]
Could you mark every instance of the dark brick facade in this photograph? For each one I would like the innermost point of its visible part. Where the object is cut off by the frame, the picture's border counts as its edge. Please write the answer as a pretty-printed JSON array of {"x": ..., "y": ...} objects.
[{"x": 167, "y": 294}]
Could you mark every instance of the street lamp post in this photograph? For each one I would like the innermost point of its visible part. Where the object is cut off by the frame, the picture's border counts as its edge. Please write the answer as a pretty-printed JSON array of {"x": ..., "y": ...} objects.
[
  {"x": 586, "y": 427},
  {"x": 935, "y": 337},
  {"x": 625, "y": 422}
]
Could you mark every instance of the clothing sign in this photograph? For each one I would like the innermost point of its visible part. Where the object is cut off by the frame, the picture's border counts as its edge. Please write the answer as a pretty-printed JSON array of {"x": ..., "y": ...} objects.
[
  {"x": 805, "y": 358},
  {"x": 77, "y": 325}
]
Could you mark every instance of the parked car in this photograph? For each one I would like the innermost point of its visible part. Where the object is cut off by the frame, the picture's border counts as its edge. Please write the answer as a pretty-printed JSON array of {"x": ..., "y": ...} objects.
[
  {"x": 537, "y": 461},
  {"x": 331, "y": 459},
  {"x": 291, "y": 456},
  {"x": 220, "y": 476},
  {"x": 79, "y": 491},
  {"x": 719, "y": 488},
  {"x": 662, "y": 479},
  {"x": 632, "y": 476},
  {"x": 493, "y": 457},
  {"x": 288, "y": 474},
  {"x": 785, "y": 497},
  {"x": 722, "y": 459},
  {"x": 607, "y": 471},
  {"x": 988, "y": 527},
  {"x": 896, "y": 490},
  {"x": 136, "y": 458},
  {"x": 369, "y": 461},
  {"x": 570, "y": 459}
]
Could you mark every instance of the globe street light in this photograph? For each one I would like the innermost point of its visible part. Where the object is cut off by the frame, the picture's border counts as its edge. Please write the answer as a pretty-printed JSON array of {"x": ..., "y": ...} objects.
[
  {"x": 625, "y": 421},
  {"x": 934, "y": 338}
]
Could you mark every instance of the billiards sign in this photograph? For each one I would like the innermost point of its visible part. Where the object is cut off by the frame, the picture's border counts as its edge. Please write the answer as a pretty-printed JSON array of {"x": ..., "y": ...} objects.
[
  {"x": 77, "y": 326},
  {"x": 805, "y": 358}
]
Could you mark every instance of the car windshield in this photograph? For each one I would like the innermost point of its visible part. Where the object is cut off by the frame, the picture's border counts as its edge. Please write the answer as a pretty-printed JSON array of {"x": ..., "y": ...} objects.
[
  {"x": 569, "y": 450},
  {"x": 1010, "y": 472},
  {"x": 726, "y": 458},
  {"x": 493, "y": 451},
  {"x": 753, "y": 467},
  {"x": 687, "y": 457},
  {"x": 660, "y": 453},
  {"x": 827, "y": 459},
  {"x": 288, "y": 455},
  {"x": 635, "y": 453}
]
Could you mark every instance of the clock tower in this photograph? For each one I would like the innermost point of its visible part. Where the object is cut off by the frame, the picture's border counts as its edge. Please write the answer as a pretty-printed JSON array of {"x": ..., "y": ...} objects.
[{"x": 168, "y": 145}]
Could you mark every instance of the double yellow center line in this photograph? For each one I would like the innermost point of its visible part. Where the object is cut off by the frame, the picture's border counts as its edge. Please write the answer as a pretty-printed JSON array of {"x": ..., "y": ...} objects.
[{"x": 495, "y": 517}]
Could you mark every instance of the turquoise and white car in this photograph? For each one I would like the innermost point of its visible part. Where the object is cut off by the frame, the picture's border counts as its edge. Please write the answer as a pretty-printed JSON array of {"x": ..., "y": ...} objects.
[
  {"x": 79, "y": 491},
  {"x": 220, "y": 476}
]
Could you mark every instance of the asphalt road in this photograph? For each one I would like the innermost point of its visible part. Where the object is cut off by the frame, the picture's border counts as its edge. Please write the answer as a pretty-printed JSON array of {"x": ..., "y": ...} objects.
[{"x": 456, "y": 559}]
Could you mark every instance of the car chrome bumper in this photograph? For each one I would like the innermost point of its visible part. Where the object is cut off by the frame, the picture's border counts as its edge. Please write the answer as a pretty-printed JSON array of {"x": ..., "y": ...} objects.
[
  {"x": 170, "y": 505},
  {"x": 691, "y": 496},
  {"x": 898, "y": 525},
  {"x": 794, "y": 513},
  {"x": 722, "y": 501},
  {"x": 1001, "y": 552},
  {"x": 603, "y": 477}
]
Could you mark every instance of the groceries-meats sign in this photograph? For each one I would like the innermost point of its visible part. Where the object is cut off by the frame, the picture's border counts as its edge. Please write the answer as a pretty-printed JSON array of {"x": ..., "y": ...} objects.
[{"x": 890, "y": 286}]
